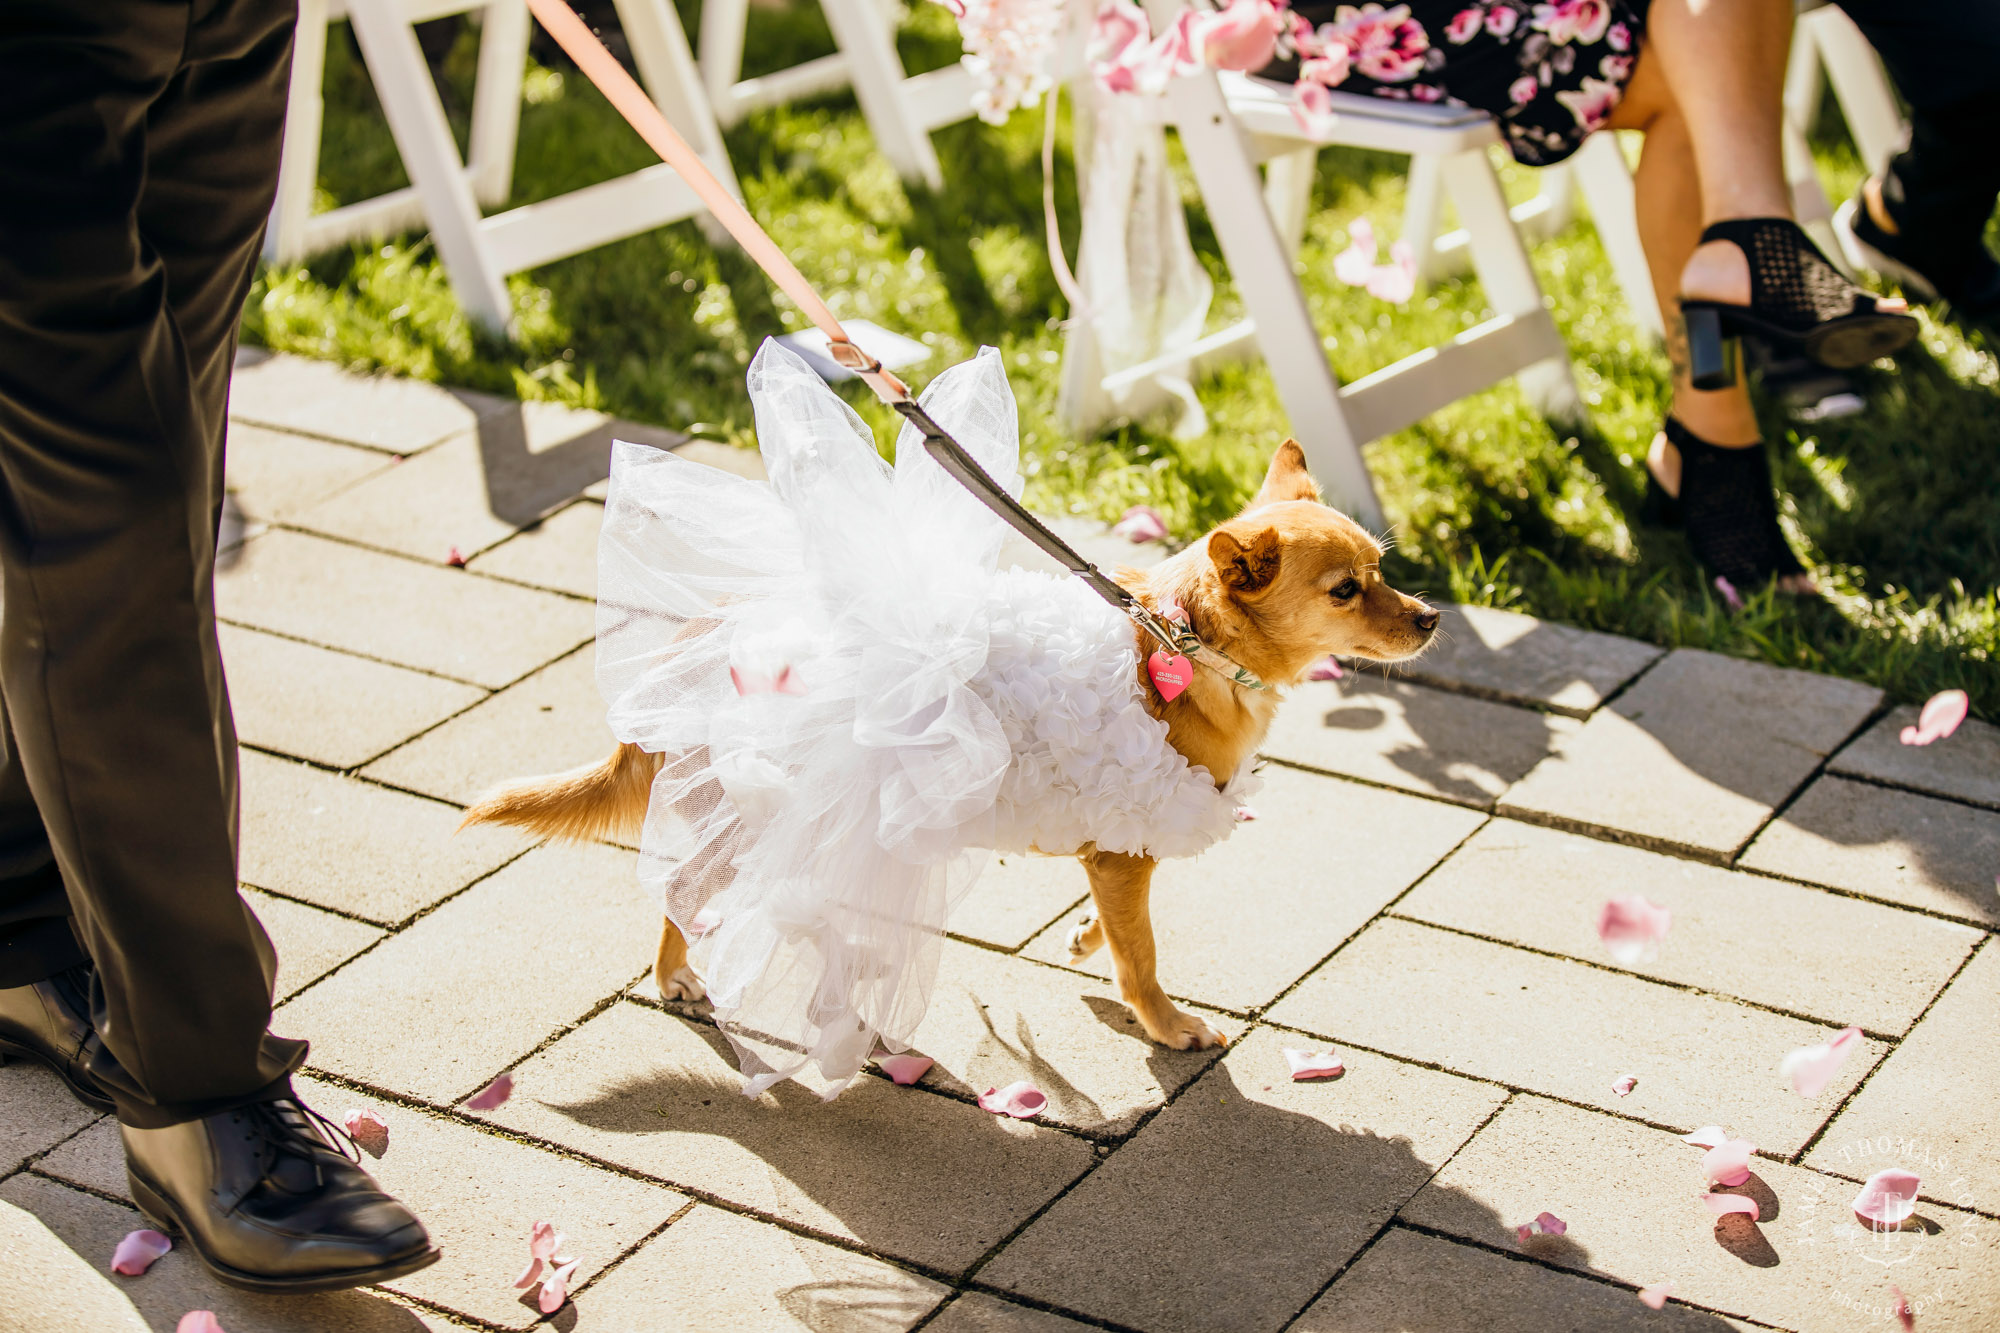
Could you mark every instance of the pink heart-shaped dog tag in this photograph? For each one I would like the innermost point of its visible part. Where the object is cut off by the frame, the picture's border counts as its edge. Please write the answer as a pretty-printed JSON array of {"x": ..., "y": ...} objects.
[{"x": 1170, "y": 674}]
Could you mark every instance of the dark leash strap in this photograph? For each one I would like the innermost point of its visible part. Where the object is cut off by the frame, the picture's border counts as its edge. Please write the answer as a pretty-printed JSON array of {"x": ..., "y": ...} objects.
[{"x": 1173, "y": 636}]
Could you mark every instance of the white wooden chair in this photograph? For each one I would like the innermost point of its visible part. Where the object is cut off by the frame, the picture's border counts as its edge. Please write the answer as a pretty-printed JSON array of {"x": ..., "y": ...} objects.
[
  {"x": 1598, "y": 170},
  {"x": 1827, "y": 49},
  {"x": 446, "y": 193},
  {"x": 901, "y": 109},
  {"x": 1228, "y": 124}
]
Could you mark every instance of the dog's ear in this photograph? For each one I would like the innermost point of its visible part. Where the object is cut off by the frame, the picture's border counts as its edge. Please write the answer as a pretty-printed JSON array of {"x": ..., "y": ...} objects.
[
  {"x": 1247, "y": 569},
  {"x": 1287, "y": 478}
]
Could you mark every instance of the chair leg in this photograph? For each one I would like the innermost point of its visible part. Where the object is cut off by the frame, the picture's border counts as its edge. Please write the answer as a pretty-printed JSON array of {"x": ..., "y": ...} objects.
[
  {"x": 423, "y": 138},
  {"x": 1855, "y": 71},
  {"x": 877, "y": 71},
  {"x": 1810, "y": 206},
  {"x": 298, "y": 167},
  {"x": 496, "y": 100},
  {"x": 667, "y": 69},
  {"x": 1288, "y": 187},
  {"x": 1501, "y": 262},
  {"x": 1423, "y": 211},
  {"x": 1224, "y": 170},
  {"x": 721, "y": 38}
]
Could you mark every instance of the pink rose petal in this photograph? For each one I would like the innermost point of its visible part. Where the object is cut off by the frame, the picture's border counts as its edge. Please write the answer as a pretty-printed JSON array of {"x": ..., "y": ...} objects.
[
  {"x": 1941, "y": 716},
  {"x": 1811, "y": 1068},
  {"x": 1730, "y": 597},
  {"x": 1020, "y": 1100},
  {"x": 1396, "y": 281},
  {"x": 1632, "y": 928},
  {"x": 492, "y": 1095},
  {"x": 783, "y": 681},
  {"x": 1545, "y": 1224},
  {"x": 1245, "y": 814},
  {"x": 1724, "y": 1204},
  {"x": 1313, "y": 1064},
  {"x": 1327, "y": 668},
  {"x": 1623, "y": 1085},
  {"x": 1728, "y": 1164},
  {"x": 368, "y": 1130},
  {"x": 1708, "y": 1136},
  {"x": 556, "y": 1289},
  {"x": 1655, "y": 1296},
  {"x": 199, "y": 1321},
  {"x": 455, "y": 558},
  {"x": 1356, "y": 264},
  {"x": 1888, "y": 1197},
  {"x": 906, "y": 1068},
  {"x": 531, "y": 1274},
  {"x": 139, "y": 1251},
  {"x": 1140, "y": 523},
  {"x": 1901, "y": 1309}
]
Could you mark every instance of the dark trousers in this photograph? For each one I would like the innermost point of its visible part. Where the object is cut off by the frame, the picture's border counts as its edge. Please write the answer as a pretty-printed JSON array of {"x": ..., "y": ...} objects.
[
  {"x": 1945, "y": 58},
  {"x": 139, "y": 148}
]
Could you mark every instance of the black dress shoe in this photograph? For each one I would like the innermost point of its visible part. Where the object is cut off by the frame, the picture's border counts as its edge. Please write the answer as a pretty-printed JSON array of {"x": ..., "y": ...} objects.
[
  {"x": 269, "y": 1204},
  {"x": 49, "y": 1021}
]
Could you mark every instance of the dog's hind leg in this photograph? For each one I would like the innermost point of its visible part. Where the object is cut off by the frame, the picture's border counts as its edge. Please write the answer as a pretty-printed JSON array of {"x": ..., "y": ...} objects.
[
  {"x": 1122, "y": 887},
  {"x": 670, "y": 968}
]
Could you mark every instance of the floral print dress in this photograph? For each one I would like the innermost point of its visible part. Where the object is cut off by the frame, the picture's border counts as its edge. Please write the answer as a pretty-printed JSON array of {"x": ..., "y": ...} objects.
[{"x": 1549, "y": 73}]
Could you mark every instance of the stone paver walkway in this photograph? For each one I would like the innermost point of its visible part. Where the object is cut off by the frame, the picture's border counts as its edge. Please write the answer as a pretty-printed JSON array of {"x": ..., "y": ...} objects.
[{"x": 1420, "y": 891}]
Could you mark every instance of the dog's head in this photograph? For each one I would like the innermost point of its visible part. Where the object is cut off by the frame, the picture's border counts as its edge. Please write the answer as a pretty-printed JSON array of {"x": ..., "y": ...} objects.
[{"x": 1292, "y": 580}]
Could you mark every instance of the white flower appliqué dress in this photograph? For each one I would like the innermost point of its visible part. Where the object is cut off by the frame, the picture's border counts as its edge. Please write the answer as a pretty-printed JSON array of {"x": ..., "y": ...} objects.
[{"x": 854, "y": 705}]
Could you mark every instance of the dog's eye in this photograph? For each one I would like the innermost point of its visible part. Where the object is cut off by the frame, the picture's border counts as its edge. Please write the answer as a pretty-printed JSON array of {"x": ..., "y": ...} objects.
[{"x": 1345, "y": 589}]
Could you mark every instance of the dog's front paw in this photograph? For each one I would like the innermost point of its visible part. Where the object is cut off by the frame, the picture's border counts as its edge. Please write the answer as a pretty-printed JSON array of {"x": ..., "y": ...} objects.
[
  {"x": 1085, "y": 938},
  {"x": 682, "y": 985},
  {"x": 1181, "y": 1031}
]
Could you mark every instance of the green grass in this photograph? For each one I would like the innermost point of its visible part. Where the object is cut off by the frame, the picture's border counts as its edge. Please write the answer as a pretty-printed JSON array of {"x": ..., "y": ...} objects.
[{"x": 1490, "y": 504}]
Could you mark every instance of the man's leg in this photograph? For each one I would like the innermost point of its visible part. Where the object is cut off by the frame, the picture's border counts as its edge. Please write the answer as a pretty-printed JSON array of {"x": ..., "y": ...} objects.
[
  {"x": 36, "y": 941},
  {"x": 110, "y": 430},
  {"x": 138, "y": 157}
]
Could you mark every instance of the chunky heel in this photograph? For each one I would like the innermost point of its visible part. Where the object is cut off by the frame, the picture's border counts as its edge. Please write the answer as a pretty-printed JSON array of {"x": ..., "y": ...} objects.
[
  {"x": 1711, "y": 353},
  {"x": 1798, "y": 302}
]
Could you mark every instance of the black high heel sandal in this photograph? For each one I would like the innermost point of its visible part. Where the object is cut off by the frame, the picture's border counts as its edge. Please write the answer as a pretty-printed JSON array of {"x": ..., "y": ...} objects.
[
  {"x": 1798, "y": 300},
  {"x": 1729, "y": 508}
]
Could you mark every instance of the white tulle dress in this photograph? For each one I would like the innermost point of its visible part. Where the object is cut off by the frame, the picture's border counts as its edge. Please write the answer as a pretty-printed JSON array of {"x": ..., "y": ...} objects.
[{"x": 854, "y": 704}]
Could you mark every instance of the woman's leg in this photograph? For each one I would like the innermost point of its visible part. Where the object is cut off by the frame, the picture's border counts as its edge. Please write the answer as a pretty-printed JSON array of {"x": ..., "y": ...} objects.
[
  {"x": 1671, "y": 215},
  {"x": 1722, "y": 63}
]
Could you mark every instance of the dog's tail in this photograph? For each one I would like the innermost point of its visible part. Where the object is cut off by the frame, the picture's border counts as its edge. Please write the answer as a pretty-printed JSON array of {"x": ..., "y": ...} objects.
[{"x": 596, "y": 801}]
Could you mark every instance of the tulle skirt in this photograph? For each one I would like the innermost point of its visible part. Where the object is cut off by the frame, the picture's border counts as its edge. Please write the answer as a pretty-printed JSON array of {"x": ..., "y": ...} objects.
[{"x": 853, "y": 705}]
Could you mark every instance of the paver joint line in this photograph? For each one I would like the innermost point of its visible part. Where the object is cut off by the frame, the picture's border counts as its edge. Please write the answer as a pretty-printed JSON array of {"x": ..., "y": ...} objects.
[{"x": 1600, "y": 965}]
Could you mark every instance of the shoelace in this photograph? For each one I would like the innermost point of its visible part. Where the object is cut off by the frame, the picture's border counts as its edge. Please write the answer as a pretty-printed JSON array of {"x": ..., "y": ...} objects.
[{"x": 304, "y": 1139}]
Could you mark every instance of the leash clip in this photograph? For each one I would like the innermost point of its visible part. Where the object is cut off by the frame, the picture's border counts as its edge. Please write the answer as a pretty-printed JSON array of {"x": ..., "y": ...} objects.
[{"x": 848, "y": 356}]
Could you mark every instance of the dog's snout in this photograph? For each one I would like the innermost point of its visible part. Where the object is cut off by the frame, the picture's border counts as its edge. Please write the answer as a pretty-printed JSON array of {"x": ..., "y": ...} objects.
[{"x": 1427, "y": 619}]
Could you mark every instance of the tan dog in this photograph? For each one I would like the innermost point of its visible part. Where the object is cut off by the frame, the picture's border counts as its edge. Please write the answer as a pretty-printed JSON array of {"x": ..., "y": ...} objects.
[{"x": 1276, "y": 588}]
